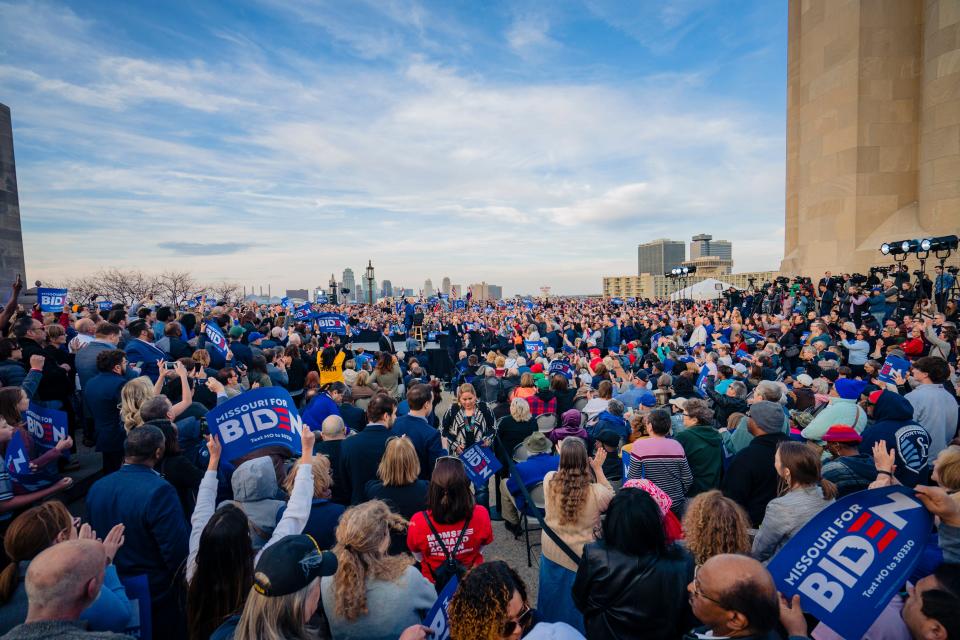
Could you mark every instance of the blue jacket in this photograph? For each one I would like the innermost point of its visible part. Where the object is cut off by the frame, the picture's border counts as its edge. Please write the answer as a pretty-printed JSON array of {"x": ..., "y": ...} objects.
[
  {"x": 532, "y": 471},
  {"x": 12, "y": 373},
  {"x": 322, "y": 523},
  {"x": 140, "y": 351},
  {"x": 102, "y": 395},
  {"x": 156, "y": 532},
  {"x": 242, "y": 353},
  {"x": 317, "y": 411},
  {"x": 607, "y": 420},
  {"x": 893, "y": 423},
  {"x": 425, "y": 439}
]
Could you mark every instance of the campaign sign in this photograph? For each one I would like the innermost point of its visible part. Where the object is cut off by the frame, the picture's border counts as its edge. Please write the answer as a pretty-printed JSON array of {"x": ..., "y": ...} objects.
[
  {"x": 702, "y": 380},
  {"x": 285, "y": 303},
  {"x": 617, "y": 301},
  {"x": 216, "y": 337},
  {"x": 51, "y": 300},
  {"x": 893, "y": 364},
  {"x": 18, "y": 466},
  {"x": 140, "y": 624},
  {"x": 533, "y": 347},
  {"x": 47, "y": 426},
  {"x": 480, "y": 464},
  {"x": 559, "y": 367},
  {"x": 854, "y": 556},
  {"x": 751, "y": 337},
  {"x": 302, "y": 313},
  {"x": 255, "y": 419},
  {"x": 332, "y": 323},
  {"x": 459, "y": 304},
  {"x": 323, "y": 300},
  {"x": 105, "y": 305},
  {"x": 436, "y": 619}
]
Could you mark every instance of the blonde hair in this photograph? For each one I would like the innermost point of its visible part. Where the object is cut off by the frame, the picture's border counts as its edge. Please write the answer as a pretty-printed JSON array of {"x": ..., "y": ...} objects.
[
  {"x": 362, "y": 378},
  {"x": 399, "y": 465},
  {"x": 359, "y": 550},
  {"x": 948, "y": 468},
  {"x": 134, "y": 394},
  {"x": 520, "y": 410},
  {"x": 715, "y": 524},
  {"x": 274, "y": 618},
  {"x": 202, "y": 356},
  {"x": 322, "y": 477}
]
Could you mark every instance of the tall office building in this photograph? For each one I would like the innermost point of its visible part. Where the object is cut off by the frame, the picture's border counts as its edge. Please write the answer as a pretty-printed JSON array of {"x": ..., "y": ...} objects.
[
  {"x": 427, "y": 288},
  {"x": 703, "y": 245},
  {"x": 11, "y": 240},
  {"x": 349, "y": 283},
  {"x": 387, "y": 289},
  {"x": 659, "y": 256},
  {"x": 445, "y": 286}
]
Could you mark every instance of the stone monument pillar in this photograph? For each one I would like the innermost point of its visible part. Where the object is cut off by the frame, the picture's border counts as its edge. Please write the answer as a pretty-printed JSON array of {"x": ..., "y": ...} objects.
[{"x": 11, "y": 239}]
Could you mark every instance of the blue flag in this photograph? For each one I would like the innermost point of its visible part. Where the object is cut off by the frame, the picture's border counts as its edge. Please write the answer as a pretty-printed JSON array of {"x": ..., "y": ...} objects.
[
  {"x": 437, "y": 618},
  {"x": 480, "y": 464},
  {"x": 51, "y": 300},
  {"x": 216, "y": 338},
  {"x": 47, "y": 426},
  {"x": 854, "y": 556},
  {"x": 255, "y": 419},
  {"x": 893, "y": 364},
  {"x": 332, "y": 323}
]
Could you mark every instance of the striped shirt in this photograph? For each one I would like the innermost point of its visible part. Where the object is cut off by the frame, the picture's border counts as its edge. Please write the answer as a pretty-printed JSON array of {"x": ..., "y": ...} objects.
[{"x": 663, "y": 462}]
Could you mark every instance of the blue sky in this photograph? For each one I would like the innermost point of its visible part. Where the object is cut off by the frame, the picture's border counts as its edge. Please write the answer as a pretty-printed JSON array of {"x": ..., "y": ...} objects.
[{"x": 277, "y": 141}]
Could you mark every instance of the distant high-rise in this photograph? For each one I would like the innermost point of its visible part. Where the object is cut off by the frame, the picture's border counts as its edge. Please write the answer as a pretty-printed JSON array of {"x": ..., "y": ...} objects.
[
  {"x": 496, "y": 291},
  {"x": 349, "y": 283},
  {"x": 11, "y": 239},
  {"x": 659, "y": 256},
  {"x": 703, "y": 245},
  {"x": 387, "y": 289},
  {"x": 445, "y": 286},
  {"x": 485, "y": 291},
  {"x": 427, "y": 288}
]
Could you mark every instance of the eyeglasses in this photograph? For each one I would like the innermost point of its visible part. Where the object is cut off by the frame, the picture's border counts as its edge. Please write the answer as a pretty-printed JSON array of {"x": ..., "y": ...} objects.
[
  {"x": 510, "y": 626},
  {"x": 698, "y": 590}
]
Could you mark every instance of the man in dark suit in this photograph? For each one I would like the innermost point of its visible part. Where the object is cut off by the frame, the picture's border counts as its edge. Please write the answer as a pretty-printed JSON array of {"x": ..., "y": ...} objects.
[
  {"x": 332, "y": 434},
  {"x": 156, "y": 532},
  {"x": 354, "y": 417},
  {"x": 414, "y": 425},
  {"x": 140, "y": 349},
  {"x": 360, "y": 454},
  {"x": 106, "y": 337},
  {"x": 102, "y": 397},
  {"x": 384, "y": 343}
]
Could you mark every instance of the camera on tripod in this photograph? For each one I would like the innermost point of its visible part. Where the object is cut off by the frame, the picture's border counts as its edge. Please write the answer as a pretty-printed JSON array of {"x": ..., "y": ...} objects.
[
  {"x": 953, "y": 270},
  {"x": 857, "y": 278}
]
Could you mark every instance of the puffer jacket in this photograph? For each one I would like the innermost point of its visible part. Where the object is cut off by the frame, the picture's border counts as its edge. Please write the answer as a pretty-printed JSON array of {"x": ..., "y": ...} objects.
[{"x": 623, "y": 596}]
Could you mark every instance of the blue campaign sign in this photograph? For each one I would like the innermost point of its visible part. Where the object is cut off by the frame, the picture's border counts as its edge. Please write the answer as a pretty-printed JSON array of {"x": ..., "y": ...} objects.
[
  {"x": 631, "y": 300},
  {"x": 751, "y": 337},
  {"x": 459, "y": 304},
  {"x": 533, "y": 347},
  {"x": 480, "y": 464},
  {"x": 51, "y": 300},
  {"x": 256, "y": 419},
  {"x": 285, "y": 302},
  {"x": 140, "y": 624},
  {"x": 617, "y": 301},
  {"x": 559, "y": 367},
  {"x": 854, "y": 556},
  {"x": 323, "y": 300},
  {"x": 891, "y": 365},
  {"x": 655, "y": 339},
  {"x": 18, "y": 466},
  {"x": 444, "y": 296},
  {"x": 216, "y": 337},
  {"x": 303, "y": 313},
  {"x": 105, "y": 305},
  {"x": 436, "y": 619},
  {"x": 47, "y": 426},
  {"x": 702, "y": 380},
  {"x": 332, "y": 323}
]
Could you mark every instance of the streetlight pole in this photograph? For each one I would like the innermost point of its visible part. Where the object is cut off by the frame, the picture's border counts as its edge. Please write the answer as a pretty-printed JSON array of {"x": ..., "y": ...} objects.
[{"x": 370, "y": 279}]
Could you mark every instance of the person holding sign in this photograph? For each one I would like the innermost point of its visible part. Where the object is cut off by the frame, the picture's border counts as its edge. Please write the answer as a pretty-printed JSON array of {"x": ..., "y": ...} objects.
[
  {"x": 42, "y": 452},
  {"x": 467, "y": 422}
]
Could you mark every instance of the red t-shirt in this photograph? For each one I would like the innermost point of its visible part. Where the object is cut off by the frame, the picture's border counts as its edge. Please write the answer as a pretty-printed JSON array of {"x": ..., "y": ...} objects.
[{"x": 422, "y": 542}]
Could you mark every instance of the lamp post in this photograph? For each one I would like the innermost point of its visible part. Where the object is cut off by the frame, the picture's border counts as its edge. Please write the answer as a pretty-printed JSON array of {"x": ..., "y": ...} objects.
[{"x": 370, "y": 278}]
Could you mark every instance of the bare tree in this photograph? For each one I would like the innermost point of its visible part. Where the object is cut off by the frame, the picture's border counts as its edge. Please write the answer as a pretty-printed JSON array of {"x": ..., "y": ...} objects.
[
  {"x": 176, "y": 287},
  {"x": 223, "y": 291}
]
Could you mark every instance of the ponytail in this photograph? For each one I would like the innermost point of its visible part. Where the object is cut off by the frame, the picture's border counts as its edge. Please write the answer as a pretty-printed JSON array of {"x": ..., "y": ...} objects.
[
  {"x": 9, "y": 579},
  {"x": 829, "y": 489}
]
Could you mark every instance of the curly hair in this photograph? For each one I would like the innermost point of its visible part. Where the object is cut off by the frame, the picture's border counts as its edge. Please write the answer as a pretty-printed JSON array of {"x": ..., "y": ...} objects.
[
  {"x": 571, "y": 483},
  {"x": 360, "y": 537},
  {"x": 715, "y": 524},
  {"x": 478, "y": 609},
  {"x": 134, "y": 394}
]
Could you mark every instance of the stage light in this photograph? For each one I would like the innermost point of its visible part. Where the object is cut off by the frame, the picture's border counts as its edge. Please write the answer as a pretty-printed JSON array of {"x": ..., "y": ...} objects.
[
  {"x": 885, "y": 249},
  {"x": 925, "y": 244},
  {"x": 908, "y": 246},
  {"x": 940, "y": 243}
]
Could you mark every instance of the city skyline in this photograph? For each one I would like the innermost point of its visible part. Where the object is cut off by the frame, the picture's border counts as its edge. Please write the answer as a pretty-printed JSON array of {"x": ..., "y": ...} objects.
[{"x": 273, "y": 130}]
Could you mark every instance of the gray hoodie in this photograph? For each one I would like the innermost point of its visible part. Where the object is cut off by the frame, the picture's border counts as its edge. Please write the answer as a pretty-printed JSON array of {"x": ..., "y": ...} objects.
[{"x": 255, "y": 490}]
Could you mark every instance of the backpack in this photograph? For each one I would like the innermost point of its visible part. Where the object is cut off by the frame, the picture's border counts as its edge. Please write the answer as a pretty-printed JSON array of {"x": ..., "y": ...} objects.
[{"x": 450, "y": 567}]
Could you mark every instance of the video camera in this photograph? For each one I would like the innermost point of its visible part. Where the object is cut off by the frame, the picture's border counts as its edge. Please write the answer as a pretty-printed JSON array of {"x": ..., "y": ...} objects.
[
  {"x": 953, "y": 270},
  {"x": 858, "y": 278}
]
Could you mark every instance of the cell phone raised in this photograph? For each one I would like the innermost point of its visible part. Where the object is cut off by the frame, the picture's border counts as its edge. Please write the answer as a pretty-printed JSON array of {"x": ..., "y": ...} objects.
[{"x": 170, "y": 366}]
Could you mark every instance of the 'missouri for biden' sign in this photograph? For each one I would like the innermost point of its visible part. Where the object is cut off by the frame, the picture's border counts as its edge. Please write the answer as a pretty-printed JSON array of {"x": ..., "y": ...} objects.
[
  {"x": 256, "y": 419},
  {"x": 852, "y": 557}
]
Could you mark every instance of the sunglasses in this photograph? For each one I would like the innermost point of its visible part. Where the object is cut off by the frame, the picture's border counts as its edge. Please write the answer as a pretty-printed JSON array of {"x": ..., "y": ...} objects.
[{"x": 510, "y": 626}]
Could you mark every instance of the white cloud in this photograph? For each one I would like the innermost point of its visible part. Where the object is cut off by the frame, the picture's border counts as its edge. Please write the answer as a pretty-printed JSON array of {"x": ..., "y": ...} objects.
[{"x": 425, "y": 167}]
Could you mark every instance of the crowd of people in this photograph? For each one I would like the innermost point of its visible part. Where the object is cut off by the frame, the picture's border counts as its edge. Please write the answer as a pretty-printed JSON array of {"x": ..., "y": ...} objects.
[{"x": 668, "y": 450}]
